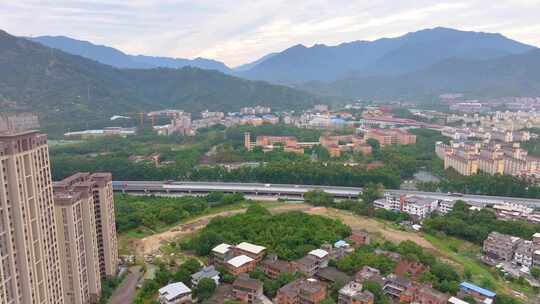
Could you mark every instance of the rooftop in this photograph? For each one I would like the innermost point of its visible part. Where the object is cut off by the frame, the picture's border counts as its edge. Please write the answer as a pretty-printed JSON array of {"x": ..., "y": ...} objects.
[
  {"x": 173, "y": 290},
  {"x": 206, "y": 272},
  {"x": 255, "y": 249},
  {"x": 478, "y": 289},
  {"x": 454, "y": 300},
  {"x": 245, "y": 281},
  {"x": 239, "y": 260},
  {"x": 332, "y": 274},
  {"x": 221, "y": 248},
  {"x": 319, "y": 253}
]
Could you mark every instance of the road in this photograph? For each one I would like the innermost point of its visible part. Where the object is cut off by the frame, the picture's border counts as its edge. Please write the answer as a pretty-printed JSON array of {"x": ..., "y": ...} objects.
[
  {"x": 125, "y": 293},
  {"x": 291, "y": 191}
]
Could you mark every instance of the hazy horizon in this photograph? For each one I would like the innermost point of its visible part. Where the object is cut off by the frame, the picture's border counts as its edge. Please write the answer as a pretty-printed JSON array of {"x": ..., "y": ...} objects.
[{"x": 241, "y": 31}]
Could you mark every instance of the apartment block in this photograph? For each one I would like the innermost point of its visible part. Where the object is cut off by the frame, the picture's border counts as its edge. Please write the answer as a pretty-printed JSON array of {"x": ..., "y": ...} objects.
[
  {"x": 352, "y": 293},
  {"x": 463, "y": 164},
  {"x": 301, "y": 291},
  {"x": 391, "y": 136},
  {"x": 500, "y": 246},
  {"x": 29, "y": 250},
  {"x": 100, "y": 187},
  {"x": 73, "y": 252},
  {"x": 470, "y": 158},
  {"x": 74, "y": 207},
  {"x": 246, "y": 289}
]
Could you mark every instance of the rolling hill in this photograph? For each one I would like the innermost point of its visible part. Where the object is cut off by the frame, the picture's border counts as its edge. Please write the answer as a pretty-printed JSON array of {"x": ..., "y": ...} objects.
[
  {"x": 72, "y": 91},
  {"x": 382, "y": 57}
]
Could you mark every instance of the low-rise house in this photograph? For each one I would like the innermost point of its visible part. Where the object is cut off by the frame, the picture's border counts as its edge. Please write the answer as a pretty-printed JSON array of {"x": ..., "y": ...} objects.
[
  {"x": 220, "y": 254},
  {"x": 332, "y": 275},
  {"x": 396, "y": 287},
  {"x": 396, "y": 257},
  {"x": 480, "y": 294},
  {"x": 240, "y": 264},
  {"x": 352, "y": 293},
  {"x": 273, "y": 267},
  {"x": 419, "y": 207},
  {"x": 307, "y": 265},
  {"x": 301, "y": 291},
  {"x": 253, "y": 251},
  {"x": 523, "y": 256},
  {"x": 445, "y": 206},
  {"x": 175, "y": 293},
  {"x": 500, "y": 246},
  {"x": 370, "y": 274},
  {"x": 322, "y": 257},
  {"x": 359, "y": 237},
  {"x": 454, "y": 300},
  {"x": 337, "y": 252},
  {"x": 410, "y": 269},
  {"x": 208, "y": 272},
  {"x": 246, "y": 289},
  {"x": 428, "y": 295}
]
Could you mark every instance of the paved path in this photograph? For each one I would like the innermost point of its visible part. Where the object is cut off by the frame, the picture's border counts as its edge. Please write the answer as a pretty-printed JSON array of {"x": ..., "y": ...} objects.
[{"x": 125, "y": 293}]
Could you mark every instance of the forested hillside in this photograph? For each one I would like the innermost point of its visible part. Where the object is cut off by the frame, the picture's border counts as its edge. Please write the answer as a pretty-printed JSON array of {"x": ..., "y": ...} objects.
[{"x": 75, "y": 92}]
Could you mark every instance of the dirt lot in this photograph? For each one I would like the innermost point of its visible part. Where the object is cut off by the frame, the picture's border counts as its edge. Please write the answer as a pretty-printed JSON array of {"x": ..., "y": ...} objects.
[
  {"x": 151, "y": 244},
  {"x": 372, "y": 226}
]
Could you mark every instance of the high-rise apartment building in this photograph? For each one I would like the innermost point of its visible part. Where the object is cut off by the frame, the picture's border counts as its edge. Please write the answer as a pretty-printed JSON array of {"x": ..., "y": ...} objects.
[
  {"x": 105, "y": 224},
  {"x": 29, "y": 252},
  {"x": 77, "y": 235},
  {"x": 100, "y": 185}
]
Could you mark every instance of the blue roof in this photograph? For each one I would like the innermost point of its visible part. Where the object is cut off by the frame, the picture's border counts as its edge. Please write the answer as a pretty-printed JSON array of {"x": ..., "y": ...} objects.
[
  {"x": 340, "y": 243},
  {"x": 478, "y": 289}
]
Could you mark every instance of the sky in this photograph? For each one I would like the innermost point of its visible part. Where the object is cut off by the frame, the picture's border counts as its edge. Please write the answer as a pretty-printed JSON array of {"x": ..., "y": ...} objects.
[{"x": 240, "y": 31}]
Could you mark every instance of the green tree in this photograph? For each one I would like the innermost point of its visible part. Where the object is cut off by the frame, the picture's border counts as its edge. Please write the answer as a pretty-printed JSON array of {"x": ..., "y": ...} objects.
[
  {"x": 192, "y": 265},
  {"x": 182, "y": 275},
  {"x": 370, "y": 193},
  {"x": 318, "y": 198},
  {"x": 205, "y": 289}
]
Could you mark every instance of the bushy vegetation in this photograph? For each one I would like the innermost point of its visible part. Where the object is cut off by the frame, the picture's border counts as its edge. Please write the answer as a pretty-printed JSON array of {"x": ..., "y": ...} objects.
[
  {"x": 271, "y": 286},
  {"x": 171, "y": 273},
  {"x": 497, "y": 185},
  {"x": 474, "y": 226},
  {"x": 364, "y": 256},
  {"x": 363, "y": 206},
  {"x": 289, "y": 235},
  {"x": 152, "y": 212}
]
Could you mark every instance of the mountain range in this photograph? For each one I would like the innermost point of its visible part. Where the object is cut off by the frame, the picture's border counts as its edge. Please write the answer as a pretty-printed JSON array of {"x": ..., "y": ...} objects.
[
  {"x": 119, "y": 59},
  {"x": 511, "y": 75},
  {"x": 382, "y": 57},
  {"x": 299, "y": 64},
  {"x": 59, "y": 82},
  {"x": 70, "y": 90}
]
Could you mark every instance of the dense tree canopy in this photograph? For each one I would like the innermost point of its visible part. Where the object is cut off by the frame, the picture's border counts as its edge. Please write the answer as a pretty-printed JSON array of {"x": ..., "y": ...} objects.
[
  {"x": 153, "y": 212},
  {"x": 289, "y": 235},
  {"x": 474, "y": 226}
]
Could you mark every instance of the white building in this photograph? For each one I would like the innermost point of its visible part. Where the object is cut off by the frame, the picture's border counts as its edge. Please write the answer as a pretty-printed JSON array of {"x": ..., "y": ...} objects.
[
  {"x": 175, "y": 293},
  {"x": 445, "y": 206},
  {"x": 524, "y": 254},
  {"x": 389, "y": 202}
]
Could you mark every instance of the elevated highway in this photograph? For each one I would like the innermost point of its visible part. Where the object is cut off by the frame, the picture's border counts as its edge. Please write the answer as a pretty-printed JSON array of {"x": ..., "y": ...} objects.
[{"x": 291, "y": 191}]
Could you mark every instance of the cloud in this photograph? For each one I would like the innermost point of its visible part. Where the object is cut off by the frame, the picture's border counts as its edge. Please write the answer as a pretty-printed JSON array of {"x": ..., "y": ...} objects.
[{"x": 238, "y": 31}]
